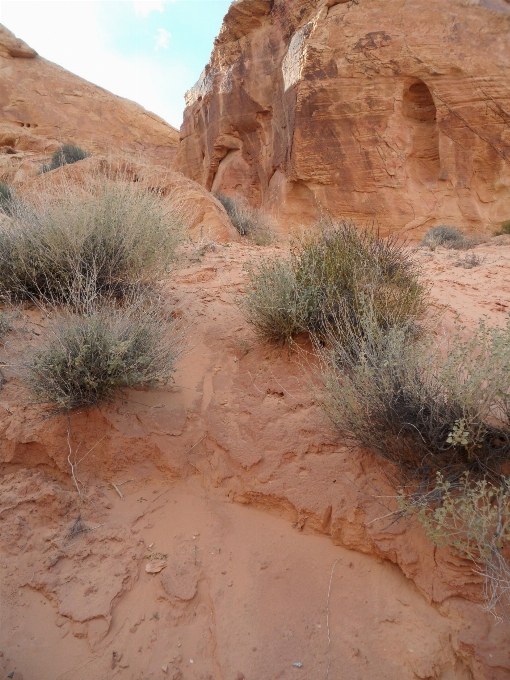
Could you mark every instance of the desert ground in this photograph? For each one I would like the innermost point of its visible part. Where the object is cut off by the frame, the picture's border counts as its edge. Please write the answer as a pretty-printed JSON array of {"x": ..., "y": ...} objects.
[
  {"x": 218, "y": 526},
  {"x": 225, "y": 530}
]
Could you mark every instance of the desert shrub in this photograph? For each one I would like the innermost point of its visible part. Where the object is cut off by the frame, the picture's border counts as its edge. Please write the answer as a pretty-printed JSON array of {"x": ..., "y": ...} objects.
[
  {"x": 86, "y": 359},
  {"x": 447, "y": 237},
  {"x": 76, "y": 247},
  {"x": 469, "y": 261},
  {"x": 248, "y": 221},
  {"x": 5, "y": 324},
  {"x": 7, "y": 197},
  {"x": 341, "y": 265},
  {"x": 504, "y": 229},
  {"x": 66, "y": 155},
  {"x": 274, "y": 304},
  {"x": 328, "y": 275},
  {"x": 472, "y": 518},
  {"x": 425, "y": 414}
]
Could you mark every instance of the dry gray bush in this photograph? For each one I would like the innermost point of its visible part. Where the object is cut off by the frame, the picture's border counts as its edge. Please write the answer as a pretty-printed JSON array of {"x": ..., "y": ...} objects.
[
  {"x": 469, "y": 261},
  {"x": 85, "y": 359},
  {"x": 6, "y": 320},
  {"x": 472, "y": 518},
  {"x": 442, "y": 416},
  {"x": 66, "y": 155},
  {"x": 447, "y": 237},
  {"x": 248, "y": 221},
  {"x": 397, "y": 396},
  {"x": 7, "y": 198},
  {"x": 274, "y": 304},
  {"x": 70, "y": 245}
]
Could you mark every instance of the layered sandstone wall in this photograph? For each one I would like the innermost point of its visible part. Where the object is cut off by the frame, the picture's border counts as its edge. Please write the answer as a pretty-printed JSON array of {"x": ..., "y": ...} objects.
[
  {"x": 43, "y": 106},
  {"x": 381, "y": 110}
]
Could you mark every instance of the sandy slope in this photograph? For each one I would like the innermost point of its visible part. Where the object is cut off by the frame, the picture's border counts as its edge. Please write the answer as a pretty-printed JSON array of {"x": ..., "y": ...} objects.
[{"x": 231, "y": 479}]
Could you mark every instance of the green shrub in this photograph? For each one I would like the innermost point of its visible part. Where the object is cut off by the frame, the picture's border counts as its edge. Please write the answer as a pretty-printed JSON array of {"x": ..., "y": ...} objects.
[
  {"x": 66, "y": 155},
  {"x": 86, "y": 359},
  {"x": 473, "y": 519},
  {"x": 425, "y": 414},
  {"x": 328, "y": 275},
  {"x": 7, "y": 198},
  {"x": 505, "y": 228},
  {"x": 76, "y": 247},
  {"x": 274, "y": 304},
  {"x": 447, "y": 237},
  {"x": 248, "y": 221}
]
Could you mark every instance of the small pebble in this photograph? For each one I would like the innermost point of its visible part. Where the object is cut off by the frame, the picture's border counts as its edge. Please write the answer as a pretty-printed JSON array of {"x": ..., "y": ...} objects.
[
  {"x": 164, "y": 669},
  {"x": 298, "y": 665}
]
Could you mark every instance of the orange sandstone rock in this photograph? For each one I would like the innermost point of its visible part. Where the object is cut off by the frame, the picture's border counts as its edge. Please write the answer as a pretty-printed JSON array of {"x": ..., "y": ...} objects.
[
  {"x": 397, "y": 113},
  {"x": 43, "y": 106}
]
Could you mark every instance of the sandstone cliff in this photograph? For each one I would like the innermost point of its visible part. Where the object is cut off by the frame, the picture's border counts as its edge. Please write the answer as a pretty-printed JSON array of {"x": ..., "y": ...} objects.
[
  {"x": 394, "y": 112},
  {"x": 42, "y": 106}
]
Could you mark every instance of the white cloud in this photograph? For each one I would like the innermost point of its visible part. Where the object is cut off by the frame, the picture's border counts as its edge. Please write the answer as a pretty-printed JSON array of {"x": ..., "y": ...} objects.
[
  {"x": 163, "y": 39},
  {"x": 145, "y": 7}
]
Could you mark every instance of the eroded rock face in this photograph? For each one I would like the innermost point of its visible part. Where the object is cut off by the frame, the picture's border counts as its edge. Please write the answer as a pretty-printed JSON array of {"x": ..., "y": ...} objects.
[
  {"x": 42, "y": 106},
  {"x": 381, "y": 111}
]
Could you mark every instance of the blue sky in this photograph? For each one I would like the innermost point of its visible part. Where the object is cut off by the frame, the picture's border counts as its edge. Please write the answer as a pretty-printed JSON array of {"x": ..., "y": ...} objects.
[{"x": 150, "y": 51}]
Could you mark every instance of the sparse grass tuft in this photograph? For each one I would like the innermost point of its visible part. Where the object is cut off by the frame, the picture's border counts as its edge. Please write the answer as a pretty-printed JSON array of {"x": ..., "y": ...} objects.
[
  {"x": 329, "y": 274},
  {"x": 446, "y": 237},
  {"x": 248, "y": 221},
  {"x": 274, "y": 304},
  {"x": 86, "y": 359},
  {"x": 76, "y": 247}
]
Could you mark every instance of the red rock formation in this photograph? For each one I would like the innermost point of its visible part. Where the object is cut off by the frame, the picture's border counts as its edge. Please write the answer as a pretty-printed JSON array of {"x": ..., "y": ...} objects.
[
  {"x": 381, "y": 111},
  {"x": 42, "y": 106}
]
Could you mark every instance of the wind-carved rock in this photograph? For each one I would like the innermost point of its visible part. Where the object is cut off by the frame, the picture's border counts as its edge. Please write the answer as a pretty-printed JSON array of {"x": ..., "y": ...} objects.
[{"x": 393, "y": 113}]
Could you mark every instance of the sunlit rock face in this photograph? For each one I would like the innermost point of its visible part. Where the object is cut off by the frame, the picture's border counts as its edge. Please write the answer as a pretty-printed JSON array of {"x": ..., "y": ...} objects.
[{"x": 378, "y": 110}]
